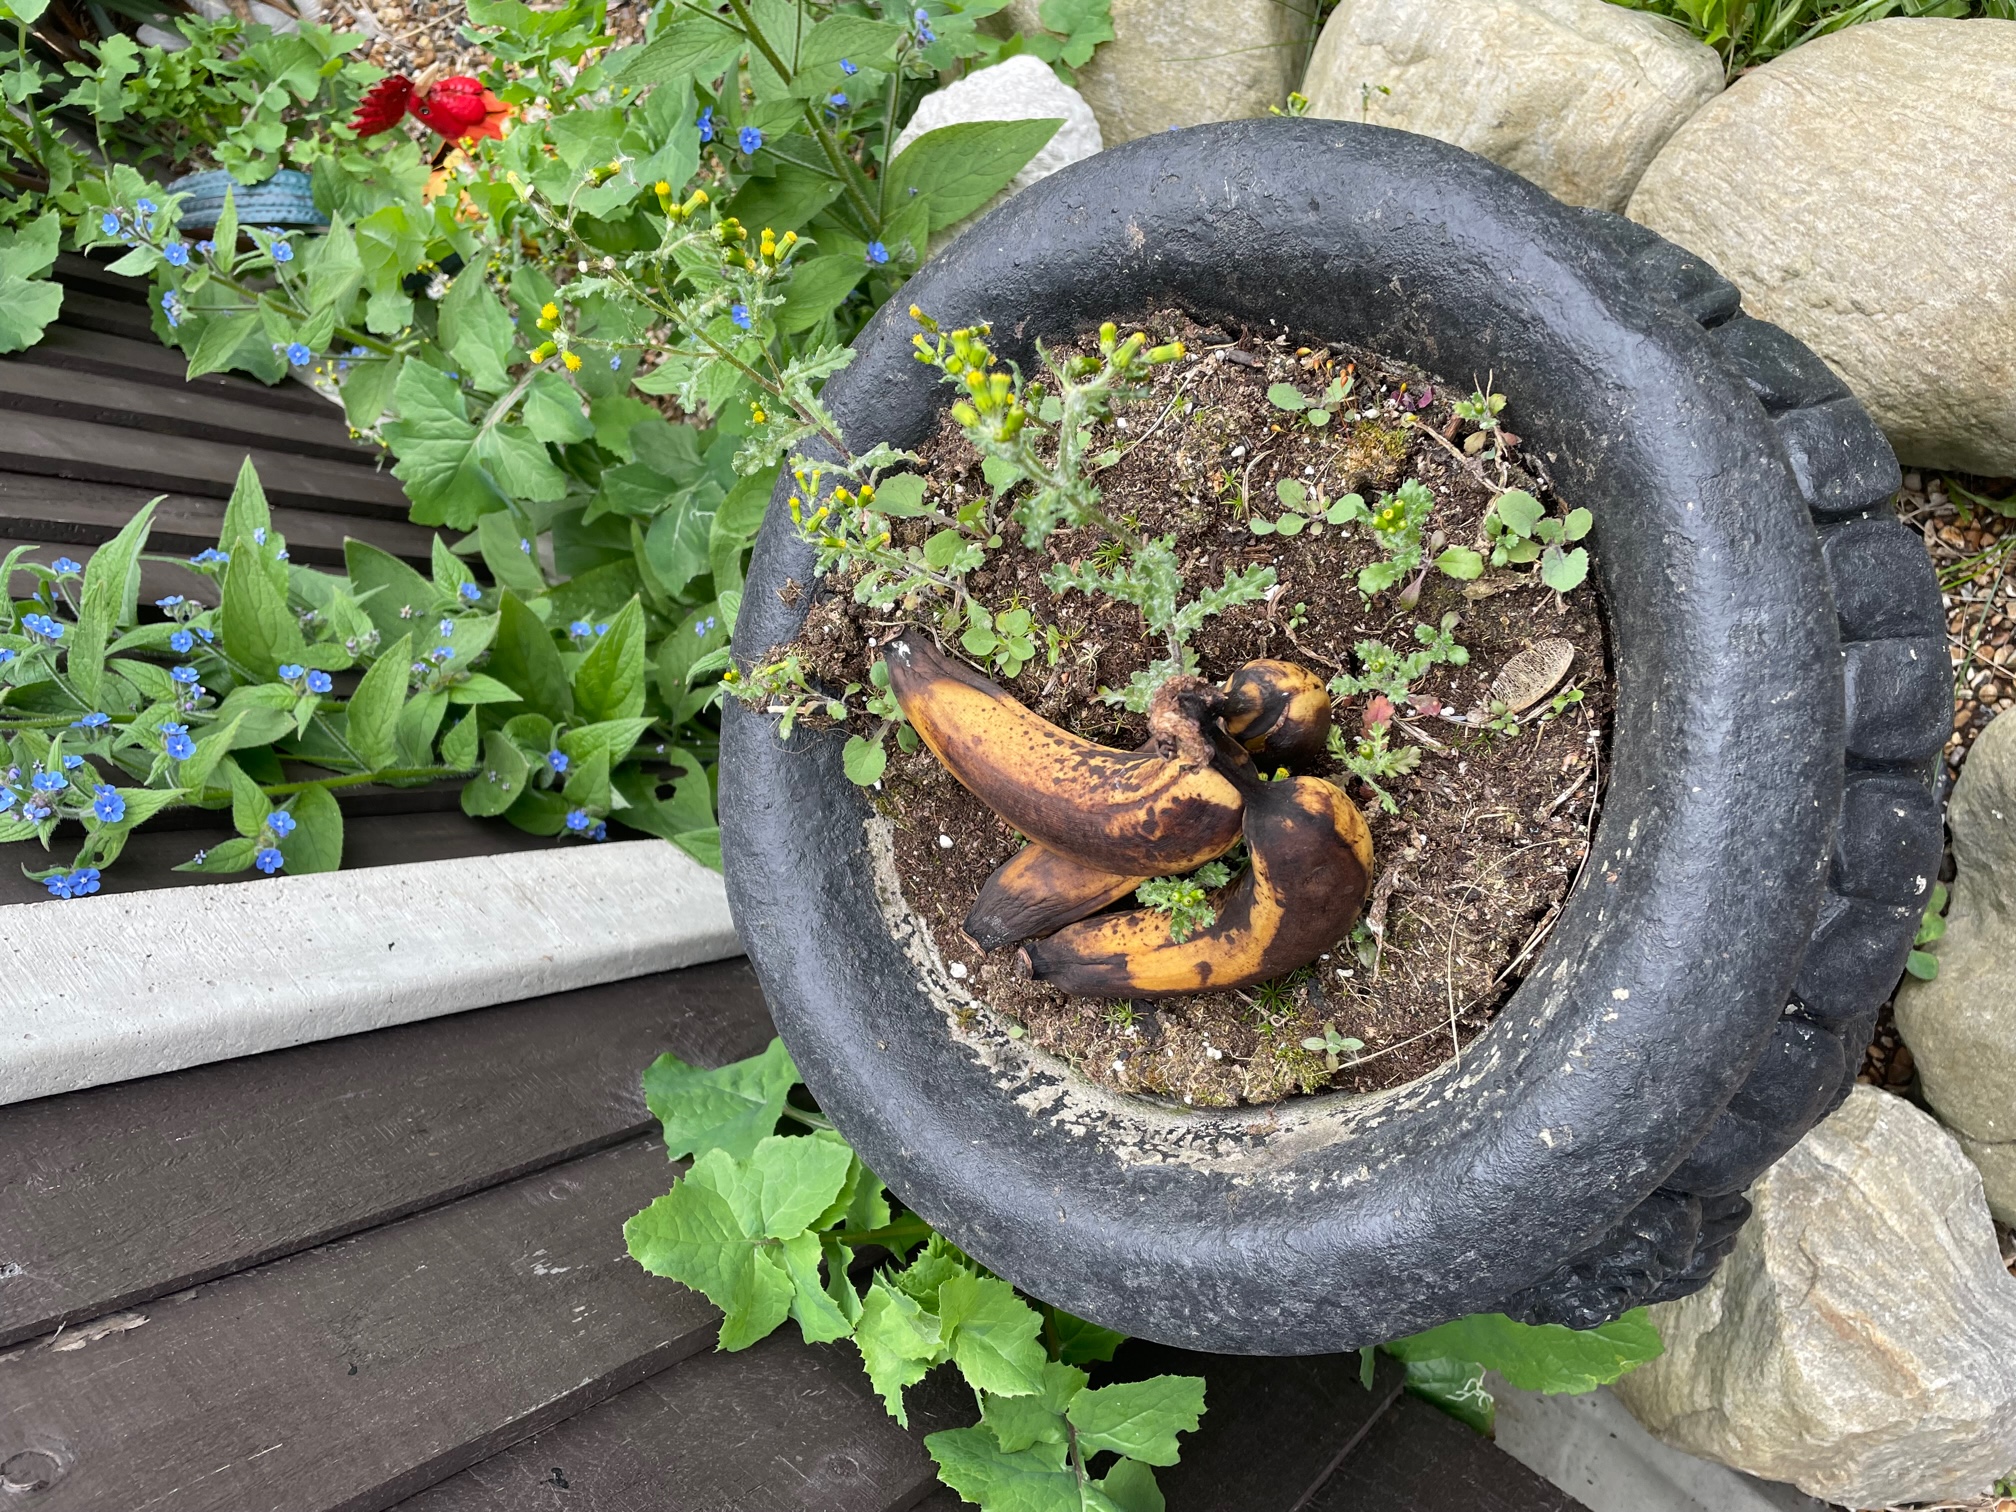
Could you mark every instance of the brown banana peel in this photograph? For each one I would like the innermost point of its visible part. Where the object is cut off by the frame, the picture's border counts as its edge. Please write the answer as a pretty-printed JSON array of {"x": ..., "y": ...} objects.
[
  {"x": 1311, "y": 867},
  {"x": 1158, "y": 811},
  {"x": 1036, "y": 891},
  {"x": 1280, "y": 712}
]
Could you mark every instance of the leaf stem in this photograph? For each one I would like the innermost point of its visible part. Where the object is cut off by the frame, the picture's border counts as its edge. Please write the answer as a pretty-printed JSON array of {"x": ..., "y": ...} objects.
[{"x": 357, "y": 779}]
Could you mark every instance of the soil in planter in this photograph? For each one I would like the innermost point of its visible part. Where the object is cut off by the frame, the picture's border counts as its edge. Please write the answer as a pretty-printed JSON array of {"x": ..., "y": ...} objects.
[{"x": 1491, "y": 827}]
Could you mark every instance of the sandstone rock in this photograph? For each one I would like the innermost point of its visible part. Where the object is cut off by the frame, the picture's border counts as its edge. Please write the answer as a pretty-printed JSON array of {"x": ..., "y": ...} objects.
[
  {"x": 1961, "y": 1026},
  {"x": 1577, "y": 95},
  {"x": 1873, "y": 228},
  {"x": 1860, "y": 1340},
  {"x": 1021, "y": 88},
  {"x": 1185, "y": 62}
]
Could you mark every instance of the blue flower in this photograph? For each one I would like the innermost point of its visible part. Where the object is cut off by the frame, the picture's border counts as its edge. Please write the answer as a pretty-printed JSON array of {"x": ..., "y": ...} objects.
[
  {"x": 259, "y": 535},
  {"x": 749, "y": 139},
  {"x": 320, "y": 682},
  {"x": 446, "y": 627},
  {"x": 66, "y": 567},
  {"x": 924, "y": 32},
  {"x": 849, "y": 67},
  {"x": 444, "y": 653},
  {"x": 281, "y": 823},
  {"x": 299, "y": 355},
  {"x": 177, "y": 253},
  {"x": 615, "y": 364},
  {"x": 210, "y": 556},
  {"x": 557, "y": 760},
  {"x": 579, "y": 821},
  {"x": 173, "y": 601},
  {"x": 186, "y": 674},
  {"x": 58, "y": 884},
  {"x": 705, "y": 122},
  {"x": 145, "y": 207},
  {"x": 837, "y": 101},
  {"x": 269, "y": 860},
  {"x": 525, "y": 545},
  {"x": 601, "y": 629},
  {"x": 50, "y": 782},
  {"x": 206, "y": 246},
  {"x": 182, "y": 642},
  {"x": 43, "y": 626},
  {"x": 289, "y": 671},
  {"x": 282, "y": 252},
  {"x": 109, "y": 223},
  {"x": 83, "y": 881},
  {"x": 6, "y": 655},
  {"x": 93, "y": 721},
  {"x": 580, "y": 630},
  {"x": 71, "y": 763},
  {"x": 7, "y": 797},
  {"x": 470, "y": 592},
  {"x": 600, "y": 832},
  {"x": 171, "y": 309},
  {"x": 108, "y": 805},
  {"x": 175, "y": 740},
  {"x": 877, "y": 253},
  {"x": 739, "y": 313}
]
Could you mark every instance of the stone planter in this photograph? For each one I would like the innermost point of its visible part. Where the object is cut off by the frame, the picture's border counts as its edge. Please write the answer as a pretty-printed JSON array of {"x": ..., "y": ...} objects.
[{"x": 1589, "y": 1152}]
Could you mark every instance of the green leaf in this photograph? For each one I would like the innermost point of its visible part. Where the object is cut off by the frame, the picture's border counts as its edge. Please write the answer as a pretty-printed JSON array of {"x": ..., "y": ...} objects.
[
  {"x": 317, "y": 842},
  {"x": 610, "y": 740},
  {"x": 28, "y": 301},
  {"x": 1543, "y": 1357},
  {"x": 729, "y": 1108},
  {"x": 958, "y": 168},
  {"x": 233, "y": 855},
  {"x": 374, "y": 707},
  {"x": 1287, "y": 397},
  {"x": 436, "y": 449},
  {"x": 864, "y": 758},
  {"x": 1019, "y": 1422},
  {"x": 864, "y": 43},
  {"x": 1923, "y": 965},
  {"x": 693, "y": 47},
  {"x": 942, "y": 547},
  {"x": 143, "y": 804},
  {"x": 477, "y": 332},
  {"x": 1077, "y": 1342},
  {"x": 1139, "y": 1419},
  {"x": 899, "y": 1342},
  {"x": 691, "y": 1235},
  {"x": 1461, "y": 563},
  {"x": 1519, "y": 510},
  {"x": 111, "y": 584},
  {"x": 609, "y": 683},
  {"x": 587, "y": 784},
  {"x": 993, "y": 1335},
  {"x": 676, "y": 545},
  {"x": 820, "y": 1315},
  {"x": 502, "y": 550},
  {"x": 553, "y": 410},
  {"x": 498, "y": 781},
  {"x": 195, "y": 772},
  {"x": 389, "y": 590},
  {"x": 524, "y": 659},
  {"x": 458, "y": 746},
  {"x": 254, "y": 620},
  {"x": 1564, "y": 571},
  {"x": 335, "y": 271},
  {"x": 368, "y": 387},
  {"x": 1036, "y": 1479},
  {"x": 249, "y": 806},
  {"x": 1577, "y": 524},
  {"x": 1457, "y": 1387},
  {"x": 248, "y": 516},
  {"x": 784, "y": 1185}
]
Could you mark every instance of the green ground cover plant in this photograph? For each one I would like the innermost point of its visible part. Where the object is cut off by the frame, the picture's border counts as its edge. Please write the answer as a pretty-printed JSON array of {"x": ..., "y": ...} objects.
[{"x": 1750, "y": 32}]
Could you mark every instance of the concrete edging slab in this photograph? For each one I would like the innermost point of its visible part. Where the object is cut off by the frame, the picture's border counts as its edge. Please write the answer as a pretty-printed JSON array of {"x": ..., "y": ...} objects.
[{"x": 118, "y": 986}]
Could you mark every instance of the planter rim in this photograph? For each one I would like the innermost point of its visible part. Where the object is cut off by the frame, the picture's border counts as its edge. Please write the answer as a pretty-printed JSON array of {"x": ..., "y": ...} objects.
[{"x": 1332, "y": 1222}]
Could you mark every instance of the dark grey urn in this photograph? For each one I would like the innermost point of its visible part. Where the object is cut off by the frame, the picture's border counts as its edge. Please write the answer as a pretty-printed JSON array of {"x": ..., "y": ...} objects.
[{"x": 1589, "y": 1151}]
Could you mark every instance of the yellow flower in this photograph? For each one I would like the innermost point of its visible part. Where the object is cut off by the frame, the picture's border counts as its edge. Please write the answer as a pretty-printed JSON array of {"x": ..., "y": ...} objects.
[
  {"x": 572, "y": 361},
  {"x": 757, "y": 415},
  {"x": 549, "y": 311}
]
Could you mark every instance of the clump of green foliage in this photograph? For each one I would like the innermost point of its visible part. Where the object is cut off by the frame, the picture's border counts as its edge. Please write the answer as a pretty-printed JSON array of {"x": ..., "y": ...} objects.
[
  {"x": 1520, "y": 530},
  {"x": 1750, "y": 32},
  {"x": 1187, "y": 900},
  {"x": 1921, "y": 963}
]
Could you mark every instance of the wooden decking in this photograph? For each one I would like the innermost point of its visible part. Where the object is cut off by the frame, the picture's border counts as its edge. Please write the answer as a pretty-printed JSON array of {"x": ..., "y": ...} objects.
[{"x": 388, "y": 1270}]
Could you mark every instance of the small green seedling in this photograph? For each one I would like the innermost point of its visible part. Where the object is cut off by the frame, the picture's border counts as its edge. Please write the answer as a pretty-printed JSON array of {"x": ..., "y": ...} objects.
[
  {"x": 1304, "y": 510},
  {"x": 1333, "y": 1046},
  {"x": 1185, "y": 899},
  {"x": 1007, "y": 640},
  {"x": 1922, "y": 964},
  {"x": 1502, "y": 718},
  {"x": 1316, "y": 414},
  {"x": 1388, "y": 671},
  {"x": 1518, "y": 529}
]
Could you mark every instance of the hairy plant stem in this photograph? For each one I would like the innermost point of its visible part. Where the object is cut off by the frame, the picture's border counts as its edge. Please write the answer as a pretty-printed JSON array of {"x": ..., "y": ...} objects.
[{"x": 357, "y": 779}]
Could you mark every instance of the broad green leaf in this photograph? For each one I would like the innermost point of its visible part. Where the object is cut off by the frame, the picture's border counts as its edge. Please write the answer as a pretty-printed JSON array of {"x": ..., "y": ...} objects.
[
  {"x": 1519, "y": 510},
  {"x": 693, "y": 48},
  {"x": 862, "y": 42},
  {"x": 899, "y": 1343},
  {"x": 611, "y": 739},
  {"x": 233, "y": 855},
  {"x": 391, "y": 592},
  {"x": 498, "y": 781},
  {"x": 1564, "y": 571},
  {"x": 249, "y": 806},
  {"x": 507, "y": 554},
  {"x": 264, "y": 712},
  {"x": 1036, "y": 1479},
  {"x": 1077, "y": 1342},
  {"x": 935, "y": 1264},
  {"x": 691, "y": 1235},
  {"x": 820, "y": 1316},
  {"x": 477, "y": 332},
  {"x": 958, "y": 168},
  {"x": 703, "y": 846},
  {"x": 1461, "y": 563},
  {"x": 436, "y": 449},
  {"x": 1130, "y": 1486},
  {"x": 254, "y": 620},
  {"x": 1539, "y": 1357},
  {"x": 864, "y": 759},
  {"x": 28, "y": 301},
  {"x": 901, "y": 496},
  {"x": 993, "y": 1335},
  {"x": 676, "y": 545},
  {"x": 195, "y": 772},
  {"x": 784, "y": 1185},
  {"x": 609, "y": 683},
  {"x": 1288, "y": 397},
  {"x": 587, "y": 784},
  {"x": 317, "y": 842},
  {"x": 111, "y": 582},
  {"x": 143, "y": 804},
  {"x": 247, "y": 517},
  {"x": 553, "y": 410},
  {"x": 374, "y": 707},
  {"x": 1577, "y": 524},
  {"x": 729, "y": 1108},
  {"x": 419, "y": 720},
  {"x": 368, "y": 387},
  {"x": 524, "y": 658},
  {"x": 1457, "y": 1387},
  {"x": 1019, "y": 1422},
  {"x": 458, "y": 746},
  {"x": 1139, "y": 1419},
  {"x": 335, "y": 271}
]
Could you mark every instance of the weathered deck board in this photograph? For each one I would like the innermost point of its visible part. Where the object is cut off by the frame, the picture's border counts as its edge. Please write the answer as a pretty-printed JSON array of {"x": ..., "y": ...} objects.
[
  {"x": 89, "y": 351},
  {"x": 122, "y": 1193},
  {"x": 75, "y": 512},
  {"x": 782, "y": 1427},
  {"x": 353, "y": 1375},
  {"x": 56, "y": 447},
  {"x": 1419, "y": 1459},
  {"x": 147, "y": 404}
]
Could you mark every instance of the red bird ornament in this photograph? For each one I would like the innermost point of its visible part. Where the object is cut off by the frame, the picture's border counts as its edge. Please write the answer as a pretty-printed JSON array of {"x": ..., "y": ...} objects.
[{"x": 457, "y": 108}]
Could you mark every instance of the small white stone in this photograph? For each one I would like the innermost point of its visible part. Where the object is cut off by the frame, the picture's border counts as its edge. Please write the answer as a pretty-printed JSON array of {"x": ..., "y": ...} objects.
[
  {"x": 959, "y": 970},
  {"x": 944, "y": 842}
]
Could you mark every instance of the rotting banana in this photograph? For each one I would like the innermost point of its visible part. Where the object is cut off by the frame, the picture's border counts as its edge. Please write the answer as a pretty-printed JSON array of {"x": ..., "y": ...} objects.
[
  {"x": 1036, "y": 891},
  {"x": 1279, "y": 711},
  {"x": 1311, "y": 866},
  {"x": 1158, "y": 811}
]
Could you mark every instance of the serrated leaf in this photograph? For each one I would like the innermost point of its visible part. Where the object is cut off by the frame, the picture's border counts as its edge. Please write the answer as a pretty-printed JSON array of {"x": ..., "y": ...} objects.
[
  {"x": 374, "y": 707},
  {"x": 1540, "y": 1357},
  {"x": 784, "y": 1185},
  {"x": 1130, "y": 1486},
  {"x": 1036, "y": 1479},
  {"x": 476, "y": 331},
  {"x": 820, "y": 1316},
  {"x": 1457, "y": 1387},
  {"x": 1139, "y": 1419},
  {"x": 1075, "y": 1341},
  {"x": 1019, "y": 1422},
  {"x": 729, "y": 1108},
  {"x": 899, "y": 1343},
  {"x": 690, "y": 1235},
  {"x": 992, "y": 1334}
]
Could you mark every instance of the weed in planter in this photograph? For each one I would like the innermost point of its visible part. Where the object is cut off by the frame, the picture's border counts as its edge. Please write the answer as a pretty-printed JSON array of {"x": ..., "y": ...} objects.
[
  {"x": 1332, "y": 1046},
  {"x": 1519, "y": 530},
  {"x": 1285, "y": 396},
  {"x": 1389, "y": 672},
  {"x": 1397, "y": 524},
  {"x": 1370, "y": 758},
  {"x": 1921, "y": 963},
  {"x": 1186, "y": 900}
]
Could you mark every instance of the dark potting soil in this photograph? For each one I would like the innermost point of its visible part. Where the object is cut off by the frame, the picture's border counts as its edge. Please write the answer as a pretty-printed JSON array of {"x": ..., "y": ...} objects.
[{"x": 1491, "y": 827}]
